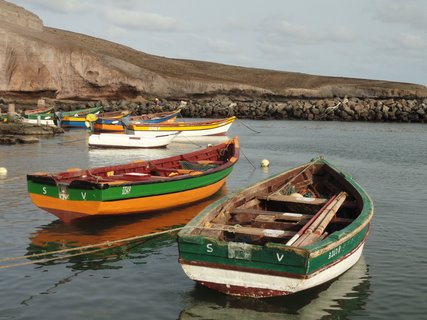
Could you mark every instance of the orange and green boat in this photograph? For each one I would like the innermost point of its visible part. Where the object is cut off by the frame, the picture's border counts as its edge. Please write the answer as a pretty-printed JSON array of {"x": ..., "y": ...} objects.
[{"x": 139, "y": 186}]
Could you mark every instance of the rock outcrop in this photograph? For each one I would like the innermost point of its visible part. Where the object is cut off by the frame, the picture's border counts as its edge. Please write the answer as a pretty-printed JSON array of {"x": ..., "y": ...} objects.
[{"x": 37, "y": 61}]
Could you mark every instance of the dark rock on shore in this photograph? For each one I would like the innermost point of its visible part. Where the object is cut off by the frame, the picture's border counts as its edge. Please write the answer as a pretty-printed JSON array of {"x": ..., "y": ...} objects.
[
  {"x": 28, "y": 129},
  {"x": 11, "y": 139},
  {"x": 12, "y": 133}
]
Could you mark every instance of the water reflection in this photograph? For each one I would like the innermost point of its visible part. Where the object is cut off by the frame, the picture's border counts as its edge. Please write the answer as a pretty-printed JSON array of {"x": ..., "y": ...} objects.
[
  {"x": 337, "y": 299},
  {"x": 58, "y": 235}
]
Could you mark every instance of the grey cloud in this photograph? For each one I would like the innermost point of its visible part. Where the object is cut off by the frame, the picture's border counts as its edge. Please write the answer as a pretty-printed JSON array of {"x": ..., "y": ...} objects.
[
  {"x": 66, "y": 6},
  {"x": 406, "y": 13},
  {"x": 300, "y": 34},
  {"x": 130, "y": 19}
]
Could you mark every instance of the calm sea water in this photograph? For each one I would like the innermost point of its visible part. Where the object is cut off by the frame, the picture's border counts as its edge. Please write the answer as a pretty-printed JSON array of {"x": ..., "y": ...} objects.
[{"x": 143, "y": 280}]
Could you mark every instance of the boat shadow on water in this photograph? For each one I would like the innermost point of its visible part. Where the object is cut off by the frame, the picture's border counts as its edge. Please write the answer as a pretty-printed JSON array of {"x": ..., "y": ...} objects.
[
  {"x": 58, "y": 236},
  {"x": 337, "y": 299}
]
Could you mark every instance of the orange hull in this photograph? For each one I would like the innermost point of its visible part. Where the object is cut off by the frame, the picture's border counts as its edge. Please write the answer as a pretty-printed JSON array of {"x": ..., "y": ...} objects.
[
  {"x": 79, "y": 209},
  {"x": 71, "y": 235},
  {"x": 108, "y": 127}
]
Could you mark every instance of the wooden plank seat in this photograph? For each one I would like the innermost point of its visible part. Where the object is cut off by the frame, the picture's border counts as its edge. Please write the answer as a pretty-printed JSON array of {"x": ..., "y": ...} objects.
[
  {"x": 288, "y": 216},
  {"x": 257, "y": 232},
  {"x": 292, "y": 199},
  {"x": 216, "y": 229},
  {"x": 172, "y": 171},
  {"x": 131, "y": 176}
]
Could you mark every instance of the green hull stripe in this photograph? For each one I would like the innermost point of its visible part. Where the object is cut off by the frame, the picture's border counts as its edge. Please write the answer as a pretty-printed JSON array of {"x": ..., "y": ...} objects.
[
  {"x": 130, "y": 191},
  {"x": 263, "y": 258}
]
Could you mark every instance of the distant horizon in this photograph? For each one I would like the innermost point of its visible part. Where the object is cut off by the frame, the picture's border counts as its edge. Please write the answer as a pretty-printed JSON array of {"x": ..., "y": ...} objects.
[{"x": 384, "y": 40}]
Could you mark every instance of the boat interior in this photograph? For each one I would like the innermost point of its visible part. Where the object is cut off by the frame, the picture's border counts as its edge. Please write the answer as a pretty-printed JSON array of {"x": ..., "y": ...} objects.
[{"x": 313, "y": 202}]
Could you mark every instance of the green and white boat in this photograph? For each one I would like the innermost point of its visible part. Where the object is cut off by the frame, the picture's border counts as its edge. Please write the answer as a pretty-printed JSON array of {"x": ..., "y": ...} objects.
[{"x": 291, "y": 232}]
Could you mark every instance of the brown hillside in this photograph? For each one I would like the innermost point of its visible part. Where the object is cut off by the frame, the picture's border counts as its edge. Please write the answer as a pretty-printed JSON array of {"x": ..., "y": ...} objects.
[{"x": 40, "y": 61}]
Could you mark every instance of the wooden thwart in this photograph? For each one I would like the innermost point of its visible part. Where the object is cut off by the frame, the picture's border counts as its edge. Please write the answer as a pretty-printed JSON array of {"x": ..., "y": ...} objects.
[
  {"x": 286, "y": 198},
  {"x": 279, "y": 215},
  {"x": 250, "y": 231}
]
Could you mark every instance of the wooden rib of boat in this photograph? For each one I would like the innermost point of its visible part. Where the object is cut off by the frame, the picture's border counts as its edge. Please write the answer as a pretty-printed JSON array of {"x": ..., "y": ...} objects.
[
  {"x": 135, "y": 187},
  {"x": 216, "y": 127},
  {"x": 77, "y": 118},
  {"x": 107, "y": 124},
  {"x": 112, "y": 140},
  {"x": 291, "y": 232}
]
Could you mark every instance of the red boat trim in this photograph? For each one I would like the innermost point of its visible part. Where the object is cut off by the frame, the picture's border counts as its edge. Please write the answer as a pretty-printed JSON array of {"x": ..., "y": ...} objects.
[{"x": 244, "y": 291}]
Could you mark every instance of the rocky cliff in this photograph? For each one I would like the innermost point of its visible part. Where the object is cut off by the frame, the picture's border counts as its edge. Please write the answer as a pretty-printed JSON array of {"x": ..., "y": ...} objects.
[{"x": 37, "y": 61}]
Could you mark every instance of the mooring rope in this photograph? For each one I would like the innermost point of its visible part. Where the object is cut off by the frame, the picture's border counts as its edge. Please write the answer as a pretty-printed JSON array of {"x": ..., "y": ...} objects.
[
  {"x": 248, "y": 126},
  {"x": 11, "y": 179},
  {"x": 106, "y": 244}
]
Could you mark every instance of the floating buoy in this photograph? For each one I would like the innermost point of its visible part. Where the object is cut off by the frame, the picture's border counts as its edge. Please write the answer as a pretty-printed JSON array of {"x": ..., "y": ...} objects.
[
  {"x": 3, "y": 171},
  {"x": 264, "y": 163}
]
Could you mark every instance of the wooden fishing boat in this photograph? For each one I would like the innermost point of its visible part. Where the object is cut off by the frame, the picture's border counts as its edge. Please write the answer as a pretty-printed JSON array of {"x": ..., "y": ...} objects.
[
  {"x": 79, "y": 112},
  {"x": 160, "y": 117},
  {"x": 47, "y": 119},
  {"x": 109, "y": 121},
  {"x": 112, "y": 140},
  {"x": 291, "y": 232},
  {"x": 37, "y": 111},
  {"x": 135, "y": 187},
  {"x": 78, "y": 118},
  {"x": 114, "y": 124},
  {"x": 216, "y": 127}
]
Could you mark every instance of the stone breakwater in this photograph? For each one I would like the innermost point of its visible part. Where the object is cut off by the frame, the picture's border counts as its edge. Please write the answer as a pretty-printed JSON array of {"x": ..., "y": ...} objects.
[
  {"x": 333, "y": 109},
  {"x": 338, "y": 109}
]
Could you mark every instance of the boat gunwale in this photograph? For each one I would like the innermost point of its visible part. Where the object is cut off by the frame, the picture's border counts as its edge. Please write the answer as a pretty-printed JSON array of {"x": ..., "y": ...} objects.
[{"x": 49, "y": 179}]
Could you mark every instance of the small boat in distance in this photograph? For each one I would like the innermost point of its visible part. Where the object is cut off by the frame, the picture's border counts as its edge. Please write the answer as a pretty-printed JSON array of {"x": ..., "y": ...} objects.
[
  {"x": 77, "y": 118},
  {"x": 291, "y": 232},
  {"x": 139, "y": 186},
  {"x": 113, "y": 140},
  {"x": 46, "y": 119},
  {"x": 216, "y": 127},
  {"x": 108, "y": 124},
  {"x": 37, "y": 111}
]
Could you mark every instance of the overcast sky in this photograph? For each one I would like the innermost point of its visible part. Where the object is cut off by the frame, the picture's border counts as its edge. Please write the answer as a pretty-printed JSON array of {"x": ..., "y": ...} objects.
[{"x": 370, "y": 39}]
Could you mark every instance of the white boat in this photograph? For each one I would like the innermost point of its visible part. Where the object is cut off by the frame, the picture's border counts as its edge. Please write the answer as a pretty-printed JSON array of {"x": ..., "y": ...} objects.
[
  {"x": 130, "y": 140},
  {"x": 218, "y": 127},
  {"x": 40, "y": 119}
]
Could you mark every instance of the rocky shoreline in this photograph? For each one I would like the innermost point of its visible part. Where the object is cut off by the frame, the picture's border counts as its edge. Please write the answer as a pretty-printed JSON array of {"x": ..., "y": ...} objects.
[
  {"x": 13, "y": 133},
  {"x": 413, "y": 110}
]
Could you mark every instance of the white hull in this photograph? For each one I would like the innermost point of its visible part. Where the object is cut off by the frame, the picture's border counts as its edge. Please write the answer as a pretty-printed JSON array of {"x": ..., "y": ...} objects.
[
  {"x": 186, "y": 133},
  {"x": 130, "y": 141},
  {"x": 287, "y": 285},
  {"x": 47, "y": 122}
]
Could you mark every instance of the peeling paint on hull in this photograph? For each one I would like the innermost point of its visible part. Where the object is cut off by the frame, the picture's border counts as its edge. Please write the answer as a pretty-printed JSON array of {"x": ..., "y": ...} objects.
[{"x": 258, "y": 285}]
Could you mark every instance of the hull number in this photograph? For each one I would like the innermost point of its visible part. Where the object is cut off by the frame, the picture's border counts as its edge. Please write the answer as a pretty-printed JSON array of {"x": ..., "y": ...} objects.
[
  {"x": 126, "y": 189},
  {"x": 334, "y": 252}
]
